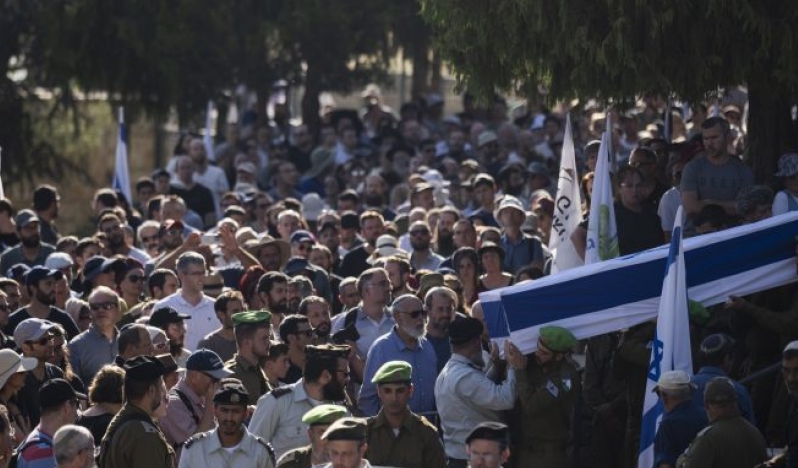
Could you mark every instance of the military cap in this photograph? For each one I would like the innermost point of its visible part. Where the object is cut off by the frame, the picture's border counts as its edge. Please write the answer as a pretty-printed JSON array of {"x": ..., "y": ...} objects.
[
  {"x": 169, "y": 363},
  {"x": 346, "y": 429},
  {"x": 463, "y": 330},
  {"x": 327, "y": 350},
  {"x": 251, "y": 317},
  {"x": 698, "y": 313},
  {"x": 143, "y": 368},
  {"x": 490, "y": 430},
  {"x": 557, "y": 339},
  {"x": 231, "y": 392},
  {"x": 719, "y": 391},
  {"x": 393, "y": 372},
  {"x": 324, "y": 415}
]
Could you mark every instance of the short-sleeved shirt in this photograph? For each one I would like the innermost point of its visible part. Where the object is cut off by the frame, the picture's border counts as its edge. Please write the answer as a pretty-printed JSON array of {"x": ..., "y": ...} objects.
[
  {"x": 55, "y": 315},
  {"x": 220, "y": 345},
  {"x": 203, "y": 319},
  {"x": 181, "y": 421},
  {"x": 716, "y": 182},
  {"x": 677, "y": 429},
  {"x": 39, "y": 451},
  {"x": 14, "y": 255},
  {"x": 91, "y": 350}
]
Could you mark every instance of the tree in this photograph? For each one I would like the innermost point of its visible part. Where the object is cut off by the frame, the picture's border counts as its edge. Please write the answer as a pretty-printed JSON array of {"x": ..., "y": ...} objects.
[{"x": 619, "y": 49}]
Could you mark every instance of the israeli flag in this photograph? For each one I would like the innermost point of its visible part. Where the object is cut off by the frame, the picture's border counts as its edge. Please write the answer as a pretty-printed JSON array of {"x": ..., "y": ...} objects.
[
  {"x": 2, "y": 192},
  {"x": 567, "y": 208},
  {"x": 602, "y": 232},
  {"x": 670, "y": 349},
  {"x": 121, "y": 180}
]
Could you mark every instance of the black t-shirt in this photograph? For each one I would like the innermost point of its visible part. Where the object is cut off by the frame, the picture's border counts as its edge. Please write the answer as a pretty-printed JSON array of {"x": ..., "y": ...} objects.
[
  {"x": 637, "y": 231},
  {"x": 97, "y": 425},
  {"x": 8, "y": 240},
  {"x": 56, "y": 315},
  {"x": 28, "y": 397},
  {"x": 198, "y": 199},
  {"x": 354, "y": 263}
]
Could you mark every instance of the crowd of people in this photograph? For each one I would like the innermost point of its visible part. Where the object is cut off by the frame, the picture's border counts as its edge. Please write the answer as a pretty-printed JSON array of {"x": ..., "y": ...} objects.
[{"x": 300, "y": 298}]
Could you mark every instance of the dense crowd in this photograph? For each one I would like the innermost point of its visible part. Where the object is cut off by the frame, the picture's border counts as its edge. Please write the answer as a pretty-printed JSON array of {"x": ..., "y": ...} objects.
[{"x": 300, "y": 297}]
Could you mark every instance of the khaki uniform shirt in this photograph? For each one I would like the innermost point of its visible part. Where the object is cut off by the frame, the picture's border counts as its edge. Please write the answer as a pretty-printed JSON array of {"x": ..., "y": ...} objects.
[
  {"x": 416, "y": 445},
  {"x": 251, "y": 375},
  {"x": 729, "y": 442},
  {"x": 297, "y": 458},
  {"x": 136, "y": 443},
  {"x": 204, "y": 450}
]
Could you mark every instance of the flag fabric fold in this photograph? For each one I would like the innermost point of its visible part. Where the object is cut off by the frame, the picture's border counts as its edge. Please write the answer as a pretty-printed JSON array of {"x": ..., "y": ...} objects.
[
  {"x": 567, "y": 208},
  {"x": 670, "y": 349},
  {"x": 207, "y": 138},
  {"x": 2, "y": 192},
  {"x": 121, "y": 181},
  {"x": 602, "y": 233}
]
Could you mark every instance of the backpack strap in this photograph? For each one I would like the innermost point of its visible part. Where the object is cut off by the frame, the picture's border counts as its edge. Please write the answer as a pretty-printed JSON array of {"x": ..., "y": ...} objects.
[{"x": 184, "y": 398}]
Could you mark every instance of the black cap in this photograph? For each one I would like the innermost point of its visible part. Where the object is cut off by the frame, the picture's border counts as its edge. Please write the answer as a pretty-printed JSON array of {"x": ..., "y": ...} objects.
[
  {"x": 143, "y": 368},
  {"x": 349, "y": 220},
  {"x": 328, "y": 225},
  {"x": 38, "y": 273},
  {"x": 463, "y": 330},
  {"x": 166, "y": 315},
  {"x": 93, "y": 267},
  {"x": 490, "y": 430},
  {"x": 231, "y": 392},
  {"x": 346, "y": 429},
  {"x": 55, "y": 392},
  {"x": 327, "y": 350},
  {"x": 296, "y": 265}
]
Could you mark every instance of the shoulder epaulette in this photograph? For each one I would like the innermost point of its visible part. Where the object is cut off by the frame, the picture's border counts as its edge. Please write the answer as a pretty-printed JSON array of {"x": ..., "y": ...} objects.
[
  {"x": 190, "y": 441},
  {"x": 281, "y": 391},
  {"x": 269, "y": 449},
  {"x": 426, "y": 422},
  {"x": 704, "y": 431}
]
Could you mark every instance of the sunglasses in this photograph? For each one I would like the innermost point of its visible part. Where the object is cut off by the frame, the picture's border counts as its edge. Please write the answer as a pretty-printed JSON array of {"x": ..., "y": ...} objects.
[
  {"x": 149, "y": 238},
  {"x": 415, "y": 313},
  {"x": 135, "y": 278},
  {"x": 43, "y": 341},
  {"x": 419, "y": 232},
  {"x": 103, "y": 305}
]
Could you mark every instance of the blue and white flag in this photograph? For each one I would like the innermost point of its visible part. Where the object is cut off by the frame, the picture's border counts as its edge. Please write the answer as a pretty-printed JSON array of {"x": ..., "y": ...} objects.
[
  {"x": 2, "y": 192},
  {"x": 625, "y": 291},
  {"x": 567, "y": 208},
  {"x": 670, "y": 349},
  {"x": 207, "y": 139},
  {"x": 602, "y": 233},
  {"x": 121, "y": 180}
]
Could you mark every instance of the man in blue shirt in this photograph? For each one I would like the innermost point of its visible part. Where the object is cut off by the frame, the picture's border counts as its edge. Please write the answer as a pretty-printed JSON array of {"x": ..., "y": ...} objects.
[
  {"x": 716, "y": 355},
  {"x": 682, "y": 420},
  {"x": 520, "y": 249}
]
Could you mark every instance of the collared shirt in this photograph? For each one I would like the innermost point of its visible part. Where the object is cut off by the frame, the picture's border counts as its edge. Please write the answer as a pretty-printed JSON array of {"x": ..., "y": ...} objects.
[
  {"x": 203, "y": 319},
  {"x": 137, "y": 443},
  {"x": 278, "y": 417},
  {"x": 369, "y": 329},
  {"x": 391, "y": 347},
  {"x": 416, "y": 444},
  {"x": 250, "y": 374},
  {"x": 520, "y": 253},
  {"x": 707, "y": 373},
  {"x": 180, "y": 423},
  {"x": 91, "y": 350},
  {"x": 433, "y": 261},
  {"x": 678, "y": 428},
  {"x": 206, "y": 451},
  {"x": 466, "y": 397}
]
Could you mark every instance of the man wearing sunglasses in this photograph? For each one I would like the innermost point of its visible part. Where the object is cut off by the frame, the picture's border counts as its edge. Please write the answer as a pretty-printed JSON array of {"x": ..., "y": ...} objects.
[
  {"x": 406, "y": 342},
  {"x": 34, "y": 337},
  {"x": 296, "y": 332},
  {"x": 98, "y": 345}
]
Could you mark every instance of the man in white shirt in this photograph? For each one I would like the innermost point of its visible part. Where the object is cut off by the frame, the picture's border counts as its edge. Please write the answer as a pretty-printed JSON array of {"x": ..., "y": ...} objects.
[{"x": 212, "y": 177}]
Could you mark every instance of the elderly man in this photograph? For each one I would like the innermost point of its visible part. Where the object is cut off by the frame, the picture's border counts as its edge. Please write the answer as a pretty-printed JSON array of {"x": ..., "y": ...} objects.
[
  {"x": 682, "y": 420},
  {"x": 98, "y": 345},
  {"x": 74, "y": 447}
]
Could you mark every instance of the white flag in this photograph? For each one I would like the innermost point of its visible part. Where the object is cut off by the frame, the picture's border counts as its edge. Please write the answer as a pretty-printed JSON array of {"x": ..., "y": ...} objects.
[
  {"x": 602, "y": 233},
  {"x": 121, "y": 180},
  {"x": 670, "y": 349},
  {"x": 567, "y": 208},
  {"x": 2, "y": 192},
  {"x": 207, "y": 139}
]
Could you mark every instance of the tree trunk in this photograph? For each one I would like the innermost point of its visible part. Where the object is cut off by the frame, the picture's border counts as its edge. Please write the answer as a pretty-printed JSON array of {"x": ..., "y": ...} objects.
[
  {"x": 436, "y": 80},
  {"x": 310, "y": 100},
  {"x": 771, "y": 130},
  {"x": 420, "y": 54}
]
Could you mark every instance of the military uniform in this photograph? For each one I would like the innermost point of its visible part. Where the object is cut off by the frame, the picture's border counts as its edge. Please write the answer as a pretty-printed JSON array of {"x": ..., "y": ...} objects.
[
  {"x": 205, "y": 451},
  {"x": 250, "y": 374},
  {"x": 137, "y": 443},
  {"x": 297, "y": 458},
  {"x": 417, "y": 445},
  {"x": 729, "y": 442}
]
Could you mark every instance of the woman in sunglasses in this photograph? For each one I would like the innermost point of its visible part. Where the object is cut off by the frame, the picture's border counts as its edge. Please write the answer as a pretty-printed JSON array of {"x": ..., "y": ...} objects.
[{"x": 130, "y": 283}]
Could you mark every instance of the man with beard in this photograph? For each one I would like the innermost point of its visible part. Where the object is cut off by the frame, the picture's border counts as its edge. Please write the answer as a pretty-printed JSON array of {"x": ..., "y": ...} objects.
[
  {"x": 279, "y": 413},
  {"x": 273, "y": 292},
  {"x": 253, "y": 340},
  {"x": 222, "y": 341},
  {"x": 422, "y": 257},
  {"x": 318, "y": 420},
  {"x": 133, "y": 439},
  {"x": 441, "y": 304},
  {"x": 465, "y": 396},
  {"x": 371, "y": 319},
  {"x": 444, "y": 237},
  {"x": 46, "y": 204},
  {"x": 31, "y": 250},
  {"x": 372, "y": 225},
  {"x": 40, "y": 283},
  {"x": 198, "y": 198},
  {"x": 348, "y": 240},
  {"x": 115, "y": 239},
  {"x": 295, "y": 331},
  {"x": 406, "y": 343},
  {"x": 397, "y": 436},
  {"x": 398, "y": 269},
  {"x": 317, "y": 310},
  {"x": 229, "y": 443},
  {"x": 172, "y": 323},
  {"x": 299, "y": 287},
  {"x": 35, "y": 339},
  {"x": 375, "y": 196},
  {"x": 190, "y": 298}
]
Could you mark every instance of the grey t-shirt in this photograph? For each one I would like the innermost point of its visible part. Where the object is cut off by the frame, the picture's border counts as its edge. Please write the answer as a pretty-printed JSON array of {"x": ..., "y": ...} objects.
[
  {"x": 716, "y": 182},
  {"x": 219, "y": 345}
]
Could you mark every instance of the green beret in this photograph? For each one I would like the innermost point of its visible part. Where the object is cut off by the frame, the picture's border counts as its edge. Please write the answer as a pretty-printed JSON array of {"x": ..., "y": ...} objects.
[
  {"x": 698, "y": 313},
  {"x": 346, "y": 429},
  {"x": 393, "y": 372},
  {"x": 324, "y": 415},
  {"x": 557, "y": 339},
  {"x": 252, "y": 317}
]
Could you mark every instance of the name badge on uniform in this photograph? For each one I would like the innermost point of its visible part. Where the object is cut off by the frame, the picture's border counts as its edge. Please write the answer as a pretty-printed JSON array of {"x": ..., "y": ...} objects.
[
  {"x": 566, "y": 383},
  {"x": 552, "y": 389}
]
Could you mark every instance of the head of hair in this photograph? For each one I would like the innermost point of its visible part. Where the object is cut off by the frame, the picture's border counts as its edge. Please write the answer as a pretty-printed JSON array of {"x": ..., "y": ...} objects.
[
  {"x": 189, "y": 258},
  {"x": 290, "y": 325},
  {"x": 7, "y": 207},
  {"x": 623, "y": 173},
  {"x": 370, "y": 214},
  {"x": 316, "y": 364},
  {"x": 68, "y": 441},
  {"x": 306, "y": 302},
  {"x": 108, "y": 217},
  {"x": 267, "y": 281},
  {"x": 66, "y": 242},
  {"x": 130, "y": 336},
  {"x": 276, "y": 350},
  {"x": 403, "y": 263},
  {"x": 104, "y": 290},
  {"x": 220, "y": 304},
  {"x": 157, "y": 279},
  {"x": 85, "y": 243},
  {"x": 366, "y": 276},
  {"x": 713, "y": 122},
  {"x": 752, "y": 197},
  {"x": 440, "y": 291},
  {"x": 108, "y": 385}
]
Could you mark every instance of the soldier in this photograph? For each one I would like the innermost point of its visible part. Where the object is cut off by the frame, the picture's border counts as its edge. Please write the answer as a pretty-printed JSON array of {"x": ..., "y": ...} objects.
[
  {"x": 133, "y": 440},
  {"x": 729, "y": 441},
  {"x": 346, "y": 444},
  {"x": 252, "y": 331},
  {"x": 547, "y": 389},
  {"x": 230, "y": 443},
  {"x": 396, "y": 435},
  {"x": 278, "y": 415},
  {"x": 318, "y": 420},
  {"x": 488, "y": 445}
]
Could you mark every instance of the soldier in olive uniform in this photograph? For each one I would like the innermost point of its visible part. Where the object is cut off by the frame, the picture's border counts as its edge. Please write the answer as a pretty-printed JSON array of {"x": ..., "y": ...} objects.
[
  {"x": 252, "y": 331},
  {"x": 396, "y": 435},
  {"x": 547, "y": 389},
  {"x": 230, "y": 443},
  {"x": 729, "y": 441},
  {"x": 346, "y": 444},
  {"x": 318, "y": 420},
  {"x": 133, "y": 440}
]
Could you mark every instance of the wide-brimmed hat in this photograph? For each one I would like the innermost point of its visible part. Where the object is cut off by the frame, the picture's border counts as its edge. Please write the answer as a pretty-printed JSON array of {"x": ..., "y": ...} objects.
[
  {"x": 254, "y": 245},
  {"x": 11, "y": 363},
  {"x": 320, "y": 160}
]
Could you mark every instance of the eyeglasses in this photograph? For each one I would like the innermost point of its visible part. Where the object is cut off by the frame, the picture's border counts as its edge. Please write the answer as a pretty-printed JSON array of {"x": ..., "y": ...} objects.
[
  {"x": 135, "y": 278},
  {"x": 414, "y": 313},
  {"x": 43, "y": 341},
  {"x": 103, "y": 305}
]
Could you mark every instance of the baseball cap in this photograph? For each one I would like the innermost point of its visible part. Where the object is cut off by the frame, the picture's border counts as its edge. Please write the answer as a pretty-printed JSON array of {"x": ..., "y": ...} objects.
[
  {"x": 206, "y": 361},
  {"x": 25, "y": 217},
  {"x": 231, "y": 392},
  {"x": 93, "y": 267},
  {"x": 296, "y": 265},
  {"x": 55, "y": 392},
  {"x": 349, "y": 220},
  {"x": 166, "y": 315},
  {"x": 301, "y": 236},
  {"x": 38, "y": 273},
  {"x": 143, "y": 368},
  {"x": 673, "y": 380},
  {"x": 58, "y": 260},
  {"x": 30, "y": 330}
]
